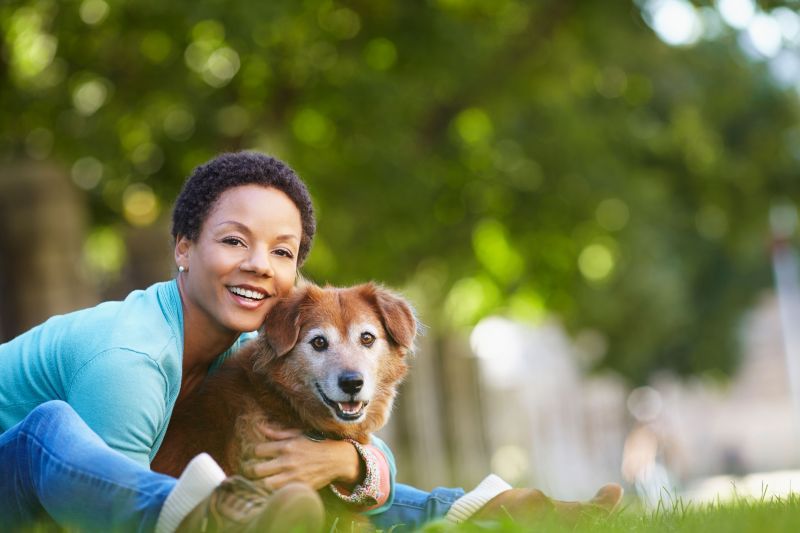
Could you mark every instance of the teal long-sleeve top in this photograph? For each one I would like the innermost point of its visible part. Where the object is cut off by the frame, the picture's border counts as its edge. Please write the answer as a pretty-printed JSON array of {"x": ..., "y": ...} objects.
[{"x": 117, "y": 364}]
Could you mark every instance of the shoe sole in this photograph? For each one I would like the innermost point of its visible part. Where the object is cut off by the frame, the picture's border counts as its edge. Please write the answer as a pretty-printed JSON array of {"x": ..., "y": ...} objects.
[{"x": 294, "y": 508}]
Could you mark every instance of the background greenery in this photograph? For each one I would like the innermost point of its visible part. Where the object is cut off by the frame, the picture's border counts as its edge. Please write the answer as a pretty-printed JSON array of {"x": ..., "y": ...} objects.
[{"x": 525, "y": 158}]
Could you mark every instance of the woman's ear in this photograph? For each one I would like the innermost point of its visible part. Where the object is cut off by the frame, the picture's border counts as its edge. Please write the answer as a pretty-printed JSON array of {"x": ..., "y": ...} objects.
[{"x": 182, "y": 246}]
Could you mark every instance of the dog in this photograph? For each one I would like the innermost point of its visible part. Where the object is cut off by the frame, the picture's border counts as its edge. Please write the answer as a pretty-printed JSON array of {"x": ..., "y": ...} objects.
[{"x": 327, "y": 361}]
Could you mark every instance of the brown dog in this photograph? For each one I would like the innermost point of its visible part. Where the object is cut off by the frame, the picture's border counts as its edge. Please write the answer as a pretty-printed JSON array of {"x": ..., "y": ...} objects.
[{"x": 327, "y": 361}]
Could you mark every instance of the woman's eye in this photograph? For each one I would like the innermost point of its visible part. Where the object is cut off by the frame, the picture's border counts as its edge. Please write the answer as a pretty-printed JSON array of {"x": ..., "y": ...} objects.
[
  {"x": 284, "y": 253},
  {"x": 367, "y": 339},
  {"x": 319, "y": 343},
  {"x": 233, "y": 241}
]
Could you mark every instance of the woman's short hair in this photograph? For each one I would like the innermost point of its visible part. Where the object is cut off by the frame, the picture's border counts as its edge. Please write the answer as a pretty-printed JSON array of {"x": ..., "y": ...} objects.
[{"x": 208, "y": 181}]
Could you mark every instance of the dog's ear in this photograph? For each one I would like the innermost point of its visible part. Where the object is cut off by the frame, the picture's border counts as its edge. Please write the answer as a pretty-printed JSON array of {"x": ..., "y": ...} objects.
[
  {"x": 281, "y": 327},
  {"x": 397, "y": 316}
]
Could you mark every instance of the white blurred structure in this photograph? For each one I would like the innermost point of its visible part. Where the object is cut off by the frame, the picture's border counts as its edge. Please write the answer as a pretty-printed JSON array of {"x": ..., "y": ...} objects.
[
  {"x": 749, "y": 425},
  {"x": 550, "y": 425},
  {"x": 546, "y": 423}
]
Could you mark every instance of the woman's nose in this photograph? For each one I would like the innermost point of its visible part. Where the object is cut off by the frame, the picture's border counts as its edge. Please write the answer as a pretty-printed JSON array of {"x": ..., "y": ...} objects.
[{"x": 259, "y": 263}]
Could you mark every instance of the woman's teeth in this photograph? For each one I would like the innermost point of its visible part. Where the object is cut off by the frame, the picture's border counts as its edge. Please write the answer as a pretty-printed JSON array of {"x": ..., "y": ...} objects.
[{"x": 247, "y": 293}]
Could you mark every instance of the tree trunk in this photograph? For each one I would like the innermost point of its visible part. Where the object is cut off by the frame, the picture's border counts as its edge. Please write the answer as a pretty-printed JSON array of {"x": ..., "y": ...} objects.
[{"x": 44, "y": 221}]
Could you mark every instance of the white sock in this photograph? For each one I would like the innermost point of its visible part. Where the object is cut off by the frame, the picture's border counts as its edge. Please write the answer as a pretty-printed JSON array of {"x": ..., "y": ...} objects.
[
  {"x": 469, "y": 503},
  {"x": 201, "y": 476}
]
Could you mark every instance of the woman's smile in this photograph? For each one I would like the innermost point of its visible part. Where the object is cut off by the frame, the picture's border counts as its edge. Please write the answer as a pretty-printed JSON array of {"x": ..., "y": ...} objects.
[{"x": 249, "y": 297}]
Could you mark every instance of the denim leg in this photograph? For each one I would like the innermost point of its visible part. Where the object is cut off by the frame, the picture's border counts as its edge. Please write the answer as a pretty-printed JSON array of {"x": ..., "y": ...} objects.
[
  {"x": 412, "y": 508},
  {"x": 52, "y": 463}
]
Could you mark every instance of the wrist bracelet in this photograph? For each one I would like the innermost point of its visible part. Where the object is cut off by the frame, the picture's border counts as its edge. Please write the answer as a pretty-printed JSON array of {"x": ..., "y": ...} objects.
[{"x": 368, "y": 491}]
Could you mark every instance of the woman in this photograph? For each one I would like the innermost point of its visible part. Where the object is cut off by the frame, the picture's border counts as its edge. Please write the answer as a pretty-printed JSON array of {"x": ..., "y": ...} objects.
[{"x": 85, "y": 398}]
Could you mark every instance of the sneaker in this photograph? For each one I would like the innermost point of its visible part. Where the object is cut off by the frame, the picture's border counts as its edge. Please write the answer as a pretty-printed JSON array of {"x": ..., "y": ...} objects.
[
  {"x": 239, "y": 506},
  {"x": 532, "y": 504}
]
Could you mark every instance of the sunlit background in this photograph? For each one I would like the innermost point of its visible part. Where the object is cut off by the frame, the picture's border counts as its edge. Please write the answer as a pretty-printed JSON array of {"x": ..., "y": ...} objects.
[{"x": 591, "y": 204}]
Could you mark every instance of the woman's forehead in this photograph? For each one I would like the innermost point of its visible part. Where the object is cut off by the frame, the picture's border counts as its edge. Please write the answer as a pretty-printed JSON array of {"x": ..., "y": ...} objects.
[{"x": 256, "y": 208}]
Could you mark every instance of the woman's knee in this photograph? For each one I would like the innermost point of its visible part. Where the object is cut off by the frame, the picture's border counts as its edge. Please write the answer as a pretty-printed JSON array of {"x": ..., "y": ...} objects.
[{"x": 53, "y": 412}]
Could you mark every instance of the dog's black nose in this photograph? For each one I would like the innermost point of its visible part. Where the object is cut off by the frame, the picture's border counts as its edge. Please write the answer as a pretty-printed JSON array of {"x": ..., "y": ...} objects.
[{"x": 351, "y": 382}]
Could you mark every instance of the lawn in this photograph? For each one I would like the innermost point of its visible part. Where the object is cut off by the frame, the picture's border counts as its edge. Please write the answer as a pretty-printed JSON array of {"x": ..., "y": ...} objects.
[
  {"x": 743, "y": 516},
  {"x": 764, "y": 515}
]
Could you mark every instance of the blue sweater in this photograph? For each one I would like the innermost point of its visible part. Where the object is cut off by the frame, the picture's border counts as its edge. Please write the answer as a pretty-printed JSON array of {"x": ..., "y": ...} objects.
[{"x": 117, "y": 364}]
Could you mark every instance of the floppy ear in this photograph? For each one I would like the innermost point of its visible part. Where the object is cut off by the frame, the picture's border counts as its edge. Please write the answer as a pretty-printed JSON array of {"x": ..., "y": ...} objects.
[
  {"x": 281, "y": 328},
  {"x": 398, "y": 318}
]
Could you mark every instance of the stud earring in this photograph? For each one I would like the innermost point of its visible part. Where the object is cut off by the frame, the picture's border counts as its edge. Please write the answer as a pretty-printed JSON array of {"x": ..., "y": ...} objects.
[{"x": 181, "y": 268}]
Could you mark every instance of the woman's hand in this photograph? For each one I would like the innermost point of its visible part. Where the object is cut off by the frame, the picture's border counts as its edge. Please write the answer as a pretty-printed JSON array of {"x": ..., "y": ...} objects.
[{"x": 289, "y": 456}]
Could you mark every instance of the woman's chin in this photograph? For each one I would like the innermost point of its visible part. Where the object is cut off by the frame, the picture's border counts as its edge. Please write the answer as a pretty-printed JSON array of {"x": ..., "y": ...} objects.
[
  {"x": 245, "y": 324},
  {"x": 247, "y": 317}
]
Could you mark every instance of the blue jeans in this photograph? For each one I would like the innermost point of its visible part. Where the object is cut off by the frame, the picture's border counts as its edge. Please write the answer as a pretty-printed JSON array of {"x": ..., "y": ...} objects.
[
  {"x": 413, "y": 507},
  {"x": 52, "y": 464}
]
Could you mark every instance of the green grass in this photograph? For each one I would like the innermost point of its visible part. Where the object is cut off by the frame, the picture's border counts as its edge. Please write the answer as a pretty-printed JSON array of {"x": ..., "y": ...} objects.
[
  {"x": 756, "y": 516},
  {"x": 742, "y": 516}
]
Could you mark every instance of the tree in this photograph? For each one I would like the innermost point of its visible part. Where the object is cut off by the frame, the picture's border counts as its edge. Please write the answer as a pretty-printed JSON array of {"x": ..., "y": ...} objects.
[{"x": 499, "y": 156}]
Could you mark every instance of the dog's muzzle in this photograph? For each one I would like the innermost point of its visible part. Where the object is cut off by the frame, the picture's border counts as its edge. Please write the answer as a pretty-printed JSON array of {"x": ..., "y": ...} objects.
[{"x": 347, "y": 411}]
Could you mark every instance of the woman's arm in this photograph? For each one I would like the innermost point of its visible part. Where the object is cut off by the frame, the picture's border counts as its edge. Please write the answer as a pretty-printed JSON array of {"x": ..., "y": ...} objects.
[
  {"x": 290, "y": 456},
  {"x": 121, "y": 395}
]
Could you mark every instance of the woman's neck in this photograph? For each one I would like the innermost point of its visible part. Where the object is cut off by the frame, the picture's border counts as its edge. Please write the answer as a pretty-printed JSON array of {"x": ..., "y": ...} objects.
[{"x": 202, "y": 341}]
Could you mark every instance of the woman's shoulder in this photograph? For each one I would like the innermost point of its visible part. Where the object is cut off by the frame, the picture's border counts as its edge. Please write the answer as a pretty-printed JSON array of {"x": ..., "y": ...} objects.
[
  {"x": 135, "y": 330},
  {"x": 146, "y": 321}
]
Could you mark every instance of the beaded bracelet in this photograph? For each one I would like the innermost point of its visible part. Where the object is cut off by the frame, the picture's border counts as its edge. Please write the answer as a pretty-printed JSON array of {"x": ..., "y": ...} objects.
[{"x": 368, "y": 491}]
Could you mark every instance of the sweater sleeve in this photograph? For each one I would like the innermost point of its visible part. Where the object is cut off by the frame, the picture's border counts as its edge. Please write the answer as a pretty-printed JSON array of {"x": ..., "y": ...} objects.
[
  {"x": 122, "y": 396},
  {"x": 386, "y": 464}
]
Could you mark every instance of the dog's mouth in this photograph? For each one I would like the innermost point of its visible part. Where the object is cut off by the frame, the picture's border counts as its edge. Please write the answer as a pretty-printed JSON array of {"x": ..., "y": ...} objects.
[{"x": 347, "y": 411}]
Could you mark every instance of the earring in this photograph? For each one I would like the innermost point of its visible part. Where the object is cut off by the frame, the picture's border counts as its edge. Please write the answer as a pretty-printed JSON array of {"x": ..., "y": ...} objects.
[{"x": 181, "y": 268}]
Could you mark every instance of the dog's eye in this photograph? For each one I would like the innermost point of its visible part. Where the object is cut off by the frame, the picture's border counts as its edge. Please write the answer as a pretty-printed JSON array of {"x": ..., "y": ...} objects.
[
  {"x": 319, "y": 343},
  {"x": 367, "y": 339}
]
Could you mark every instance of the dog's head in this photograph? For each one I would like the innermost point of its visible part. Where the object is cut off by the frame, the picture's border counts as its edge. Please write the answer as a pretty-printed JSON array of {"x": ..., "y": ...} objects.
[{"x": 338, "y": 355}]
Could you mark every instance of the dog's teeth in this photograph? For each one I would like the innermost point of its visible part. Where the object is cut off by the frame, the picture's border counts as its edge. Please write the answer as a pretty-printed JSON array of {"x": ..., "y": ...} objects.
[{"x": 350, "y": 407}]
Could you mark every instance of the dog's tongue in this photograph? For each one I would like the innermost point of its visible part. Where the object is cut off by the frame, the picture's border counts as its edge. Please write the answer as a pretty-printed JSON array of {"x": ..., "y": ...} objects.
[{"x": 350, "y": 407}]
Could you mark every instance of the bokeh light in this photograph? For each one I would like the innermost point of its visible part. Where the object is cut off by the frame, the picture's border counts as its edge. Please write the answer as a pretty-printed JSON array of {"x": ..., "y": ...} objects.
[
  {"x": 87, "y": 172},
  {"x": 104, "y": 250},
  {"x": 140, "y": 205},
  {"x": 93, "y": 12}
]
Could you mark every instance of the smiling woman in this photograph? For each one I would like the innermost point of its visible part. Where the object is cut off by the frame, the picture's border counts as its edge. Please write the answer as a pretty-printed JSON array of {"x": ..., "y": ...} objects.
[{"x": 86, "y": 397}]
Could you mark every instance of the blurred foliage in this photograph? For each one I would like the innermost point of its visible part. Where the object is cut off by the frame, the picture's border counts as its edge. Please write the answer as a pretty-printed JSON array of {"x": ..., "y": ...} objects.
[{"x": 498, "y": 155}]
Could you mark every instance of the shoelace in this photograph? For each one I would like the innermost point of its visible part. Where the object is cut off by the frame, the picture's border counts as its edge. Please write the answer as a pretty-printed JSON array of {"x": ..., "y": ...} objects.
[{"x": 237, "y": 499}]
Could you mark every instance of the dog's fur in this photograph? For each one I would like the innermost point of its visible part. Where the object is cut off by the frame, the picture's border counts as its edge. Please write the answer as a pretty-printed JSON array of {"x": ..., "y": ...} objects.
[{"x": 281, "y": 377}]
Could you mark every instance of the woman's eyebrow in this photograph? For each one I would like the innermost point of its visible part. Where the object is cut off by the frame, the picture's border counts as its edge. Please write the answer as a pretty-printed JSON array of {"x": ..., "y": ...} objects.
[
  {"x": 287, "y": 237},
  {"x": 241, "y": 227}
]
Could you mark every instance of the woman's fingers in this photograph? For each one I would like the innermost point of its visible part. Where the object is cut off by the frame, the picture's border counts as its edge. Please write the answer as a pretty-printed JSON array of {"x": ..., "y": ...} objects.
[
  {"x": 274, "y": 433},
  {"x": 261, "y": 469},
  {"x": 273, "y": 483},
  {"x": 268, "y": 450},
  {"x": 273, "y": 474}
]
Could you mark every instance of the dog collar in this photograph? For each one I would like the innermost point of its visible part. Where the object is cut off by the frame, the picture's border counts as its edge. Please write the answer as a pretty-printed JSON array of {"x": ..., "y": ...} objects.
[{"x": 316, "y": 436}]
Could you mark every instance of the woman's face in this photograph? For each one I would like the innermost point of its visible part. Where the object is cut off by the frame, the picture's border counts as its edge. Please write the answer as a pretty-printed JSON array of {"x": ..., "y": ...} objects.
[{"x": 244, "y": 258}]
